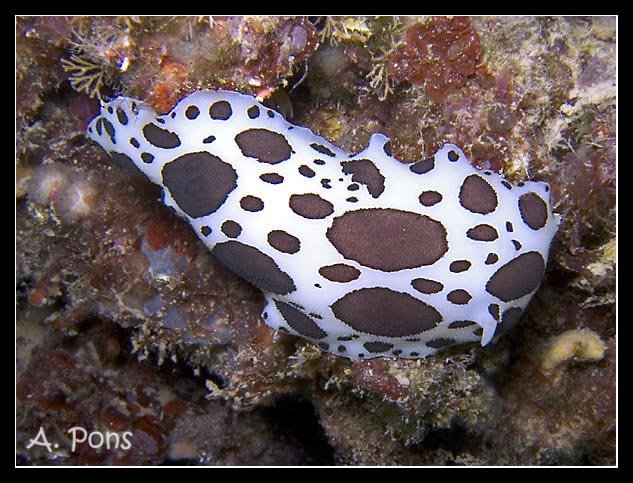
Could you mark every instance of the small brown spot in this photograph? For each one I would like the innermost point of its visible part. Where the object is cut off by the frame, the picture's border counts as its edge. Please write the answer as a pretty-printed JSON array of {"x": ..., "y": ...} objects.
[
  {"x": 441, "y": 341},
  {"x": 251, "y": 203},
  {"x": 159, "y": 137},
  {"x": 459, "y": 297},
  {"x": 322, "y": 149},
  {"x": 424, "y": 285},
  {"x": 452, "y": 156},
  {"x": 533, "y": 210},
  {"x": 459, "y": 324},
  {"x": 300, "y": 321},
  {"x": 459, "y": 266},
  {"x": 377, "y": 346},
  {"x": 99, "y": 126},
  {"x": 482, "y": 232},
  {"x": 339, "y": 272},
  {"x": 264, "y": 145},
  {"x": 254, "y": 267},
  {"x": 253, "y": 112},
  {"x": 283, "y": 241},
  {"x": 493, "y": 309},
  {"x": 477, "y": 195},
  {"x": 112, "y": 132},
  {"x": 220, "y": 110},
  {"x": 430, "y": 198},
  {"x": 192, "y": 112},
  {"x": 306, "y": 171},
  {"x": 272, "y": 178},
  {"x": 491, "y": 259},
  {"x": 311, "y": 206},
  {"x": 121, "y": 116},
  {"x": 231, "y": 228},
  {"x": 423, "y": 166}
]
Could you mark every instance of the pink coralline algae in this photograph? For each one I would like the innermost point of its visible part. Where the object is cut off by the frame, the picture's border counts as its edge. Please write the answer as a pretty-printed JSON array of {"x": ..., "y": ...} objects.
[{"x": 438, "y": 54}]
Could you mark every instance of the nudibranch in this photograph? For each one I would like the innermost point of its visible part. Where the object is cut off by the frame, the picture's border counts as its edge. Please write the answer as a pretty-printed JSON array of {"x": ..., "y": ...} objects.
[{"x": 361, "y": 254}]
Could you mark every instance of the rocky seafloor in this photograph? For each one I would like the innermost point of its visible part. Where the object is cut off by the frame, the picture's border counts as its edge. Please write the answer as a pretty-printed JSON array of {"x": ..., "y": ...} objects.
[{"x": 127, "y": 327}]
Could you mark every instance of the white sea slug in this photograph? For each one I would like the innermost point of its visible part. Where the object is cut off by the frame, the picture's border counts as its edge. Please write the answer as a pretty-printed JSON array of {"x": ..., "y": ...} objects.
[{"x": 361, "y": 254}]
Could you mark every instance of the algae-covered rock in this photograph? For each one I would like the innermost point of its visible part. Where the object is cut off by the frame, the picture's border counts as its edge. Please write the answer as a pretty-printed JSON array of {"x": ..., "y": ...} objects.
[{"x": 125, "y": 322}]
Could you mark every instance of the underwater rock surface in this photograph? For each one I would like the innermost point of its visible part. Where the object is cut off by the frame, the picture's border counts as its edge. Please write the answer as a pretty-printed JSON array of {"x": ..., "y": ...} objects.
[{"x": 125, "y": 322}]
